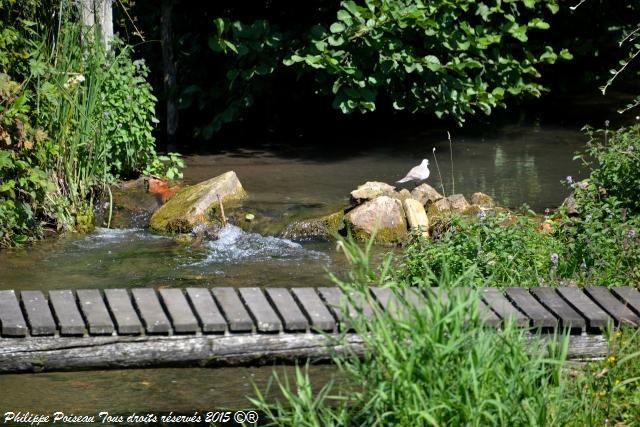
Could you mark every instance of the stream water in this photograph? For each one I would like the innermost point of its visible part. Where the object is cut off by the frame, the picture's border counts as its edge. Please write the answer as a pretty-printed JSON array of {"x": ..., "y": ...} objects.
[{"x": 515, "y": 164}]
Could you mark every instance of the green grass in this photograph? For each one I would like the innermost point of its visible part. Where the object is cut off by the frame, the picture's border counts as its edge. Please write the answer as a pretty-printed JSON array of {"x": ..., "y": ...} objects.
[{"x": 441, "y": 366}]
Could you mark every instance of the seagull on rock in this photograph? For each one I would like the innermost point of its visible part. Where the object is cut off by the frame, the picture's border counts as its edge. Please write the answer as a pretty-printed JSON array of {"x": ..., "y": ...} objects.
[{"x": 418, "y": 173}]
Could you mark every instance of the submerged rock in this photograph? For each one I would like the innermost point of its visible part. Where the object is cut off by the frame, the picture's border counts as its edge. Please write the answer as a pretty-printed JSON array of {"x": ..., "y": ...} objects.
[
  {"x": 416, "y": 216},
  {"x": 482, "y": 200},
  {"x": 324, "y": 228},
  {"x": 192, "y": 205},
  {"x": 382, "y": 214},
  {"x": 372, "y": 189},
  {"x": 426, "y": 194}
]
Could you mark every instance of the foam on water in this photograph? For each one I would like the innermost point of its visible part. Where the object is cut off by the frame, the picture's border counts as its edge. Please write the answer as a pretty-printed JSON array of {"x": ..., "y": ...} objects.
[{"x": 235, "y": 245}]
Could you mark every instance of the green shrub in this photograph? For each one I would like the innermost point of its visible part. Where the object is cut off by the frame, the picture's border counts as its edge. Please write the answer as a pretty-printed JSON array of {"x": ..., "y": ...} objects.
[
  {"x": 614, "y": 160},
  {"x": 127, "y": 109},
  {"x": 503, "y": 249}
]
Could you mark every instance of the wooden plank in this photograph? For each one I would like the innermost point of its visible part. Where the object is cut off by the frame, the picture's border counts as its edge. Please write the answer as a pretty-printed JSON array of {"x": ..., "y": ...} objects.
[
  {"x": 208, "y": 313},
  {"x": 294, "y": 319},
  {"x": 415, "y": 298},
  {"x": 501, "y": 305},
  {"x": 127, "y": 320},
  {"x": 612, "y": 305},
  {"x": 318, "y": 313},
  {"x": 38, "y": 313},
  {"x": 596, "y": 317},
  {"x": 95, "y": 311},
  {"x": 629, "y": 296},
  {"x": 336, "y": 302},
  {"x": 360, "y": 304},
  {"x": 66, "y": 311},
  {"x": 569, "y": 318},
  {"x": 484, "y": 312},
  {"x": 540, "y": 316},
  {"x": 389, "y": 302},
  {"x": 153, "y": 316},
  {"x": 267, "y": 319},
  {"x": 11, "y": 319},
  {"x": 237, "y": 316},
  {"x": 440, "y": 294},
  {"x": 182, "y": 318}
]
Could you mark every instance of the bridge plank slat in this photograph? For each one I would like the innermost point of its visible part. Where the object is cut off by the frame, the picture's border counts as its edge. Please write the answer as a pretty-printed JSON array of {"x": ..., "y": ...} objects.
[
  {"x": 630, "y": 296},
  {"x": 127, "y": 320},
  {"x": 11, "y": 318},
  {"x": 484, "y": 311},
  {"x": 95, "y": 311},
  {"x": 66, "y": 310},
  {"x": 596, "y": 317},
  {"x": 569, "y": 318},
  {"x": 318, "y": 313},
  {"x": 182, "y": 318},
  {"x": 294, "y": 319},
  {"x": 38, "y": 313},
  {"x": 153, "y": 316},
  {"x": 266, "y": 318},
  {"x": 501, "y": 305},
  {"x": 612, "y": 305},
  {"x": 211, "y": 320},
  {"x": 540, "y": 316},
  {"x": 236, "y": 314},
  {"x": 390, "y": 302},
  {"x": 415, "y": 298}
]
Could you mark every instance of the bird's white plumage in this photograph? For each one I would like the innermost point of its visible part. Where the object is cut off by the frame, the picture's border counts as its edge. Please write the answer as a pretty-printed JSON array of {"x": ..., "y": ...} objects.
[{"x": 417, "y": 173}]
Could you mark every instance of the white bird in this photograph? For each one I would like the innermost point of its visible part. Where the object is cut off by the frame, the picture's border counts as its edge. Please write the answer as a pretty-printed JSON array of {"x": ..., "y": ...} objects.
[{"x": 418, "y": 173}]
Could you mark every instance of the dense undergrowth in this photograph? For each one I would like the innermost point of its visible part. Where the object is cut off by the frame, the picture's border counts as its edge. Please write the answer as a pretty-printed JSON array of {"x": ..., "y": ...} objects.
[
  {"x": 74, "y": 117},
  {"x": 596, "y": 245},
  {"x": 441, "y": 366}
]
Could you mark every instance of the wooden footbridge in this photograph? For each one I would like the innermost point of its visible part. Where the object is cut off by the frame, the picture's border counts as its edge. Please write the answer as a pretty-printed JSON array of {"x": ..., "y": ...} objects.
[{"x": 115, "y": 328}]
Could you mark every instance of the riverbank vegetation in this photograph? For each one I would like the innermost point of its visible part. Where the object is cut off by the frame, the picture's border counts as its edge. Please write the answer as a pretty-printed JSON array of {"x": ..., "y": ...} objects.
[{"x": 76, "y": 114}]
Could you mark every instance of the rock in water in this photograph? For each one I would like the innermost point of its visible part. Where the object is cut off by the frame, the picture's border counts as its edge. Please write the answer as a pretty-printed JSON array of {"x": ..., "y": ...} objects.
[
  {"x": 416, "y": 216},
  {"x": 192, "y": 205},
  {"x": 458, "y": 203},
  {"x": 324, "y": 228},
  {"x": 383, "y": 214},
  {"x": 372, "y": 189},
  {"x": 482, "y": 200},
  {"x": 426, "y": 194}
]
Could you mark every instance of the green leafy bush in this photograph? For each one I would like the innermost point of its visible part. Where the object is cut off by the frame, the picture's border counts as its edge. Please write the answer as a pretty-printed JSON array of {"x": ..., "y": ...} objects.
[
  {"x": 127, "y": 107},
  {"x": 503, "y": 249},
  {"x": 24, "y": 184}
]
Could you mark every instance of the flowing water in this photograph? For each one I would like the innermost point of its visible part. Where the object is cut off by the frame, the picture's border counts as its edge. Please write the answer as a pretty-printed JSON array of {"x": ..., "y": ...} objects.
[{"x": 515, "y": 165}]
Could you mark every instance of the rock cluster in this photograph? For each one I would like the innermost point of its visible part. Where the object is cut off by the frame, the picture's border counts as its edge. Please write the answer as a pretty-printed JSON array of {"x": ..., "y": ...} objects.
[{"x": 379, "y": 209}]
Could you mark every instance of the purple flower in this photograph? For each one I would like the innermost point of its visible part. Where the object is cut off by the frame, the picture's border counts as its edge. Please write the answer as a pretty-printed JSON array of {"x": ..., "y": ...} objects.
[
  {"x": 569, "y": 179},
  {"x": 482, "y": 215},
  {"x": 540, "y": 281},
  {"x": 554, "y": 259},
  {"x": 547, "y": 211},
  {"x": 631, "y": 234}
]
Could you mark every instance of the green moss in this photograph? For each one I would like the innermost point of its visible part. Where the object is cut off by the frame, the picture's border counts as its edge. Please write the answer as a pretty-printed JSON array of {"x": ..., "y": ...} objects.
[
  {"x": 384, "y": 236},
  {"x": 180, "y": 213}
]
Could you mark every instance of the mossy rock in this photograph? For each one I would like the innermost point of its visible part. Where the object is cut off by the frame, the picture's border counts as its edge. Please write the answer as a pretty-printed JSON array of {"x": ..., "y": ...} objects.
[
  {"x": 324, "y": 228},
  {"x": 197, "y": 204},
  {"x": 383, "y": 216}
]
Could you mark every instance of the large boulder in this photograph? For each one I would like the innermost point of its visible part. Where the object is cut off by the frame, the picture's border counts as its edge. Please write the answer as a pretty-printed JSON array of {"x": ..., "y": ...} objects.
[
  {"x": 483, "y": 201},
  {"x": 193, "y": 205},
  {"x": 426, "y": 194},
  {"x": 416, "y": 216},
  {"x": 372, "y": 189},
  {"x": 384, "y": 215},
  {"x": 323, "y": 228}
]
